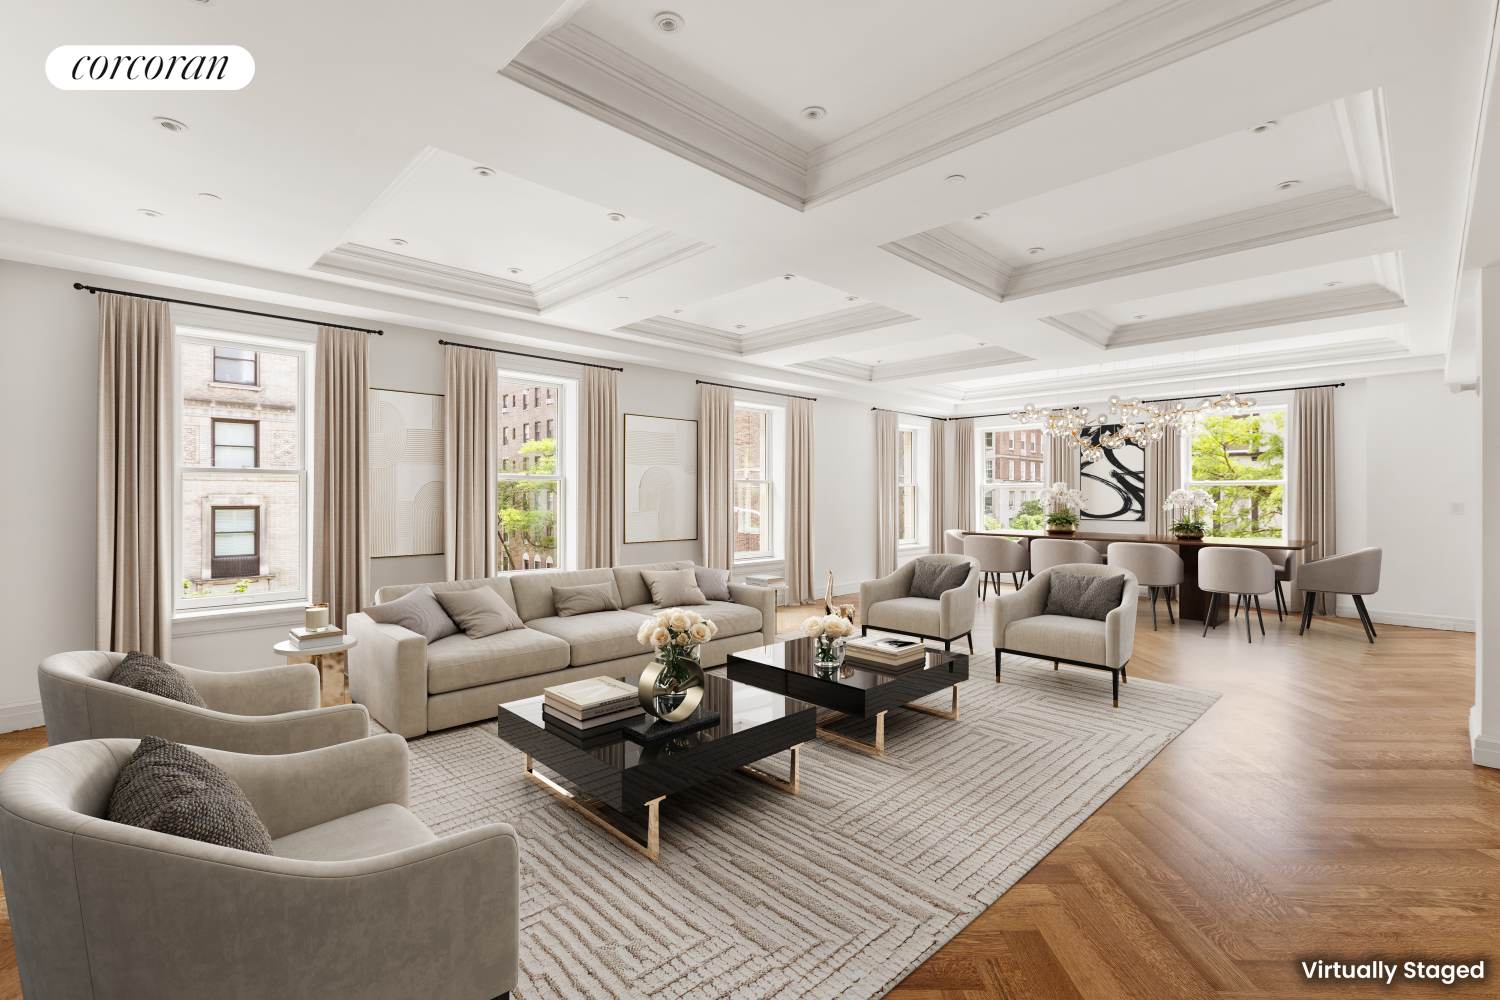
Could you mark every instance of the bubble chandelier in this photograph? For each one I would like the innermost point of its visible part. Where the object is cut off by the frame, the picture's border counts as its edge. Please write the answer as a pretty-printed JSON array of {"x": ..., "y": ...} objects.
[{"x": 1140, "y": 423}]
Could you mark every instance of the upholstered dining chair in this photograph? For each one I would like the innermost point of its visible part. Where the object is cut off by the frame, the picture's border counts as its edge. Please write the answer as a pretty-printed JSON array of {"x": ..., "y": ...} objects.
[
  {"x": 953, "y": 542},
  {"x": 1049, "y": 552},
  {"x": 886, "y": 605},
  {"x": 357, "y": 899},
  {"x": 997, "y": 555},
  {"x": 272, "y": 710},
  {"x": 1157, "y": 567},
  {"x": 1354, "y": 573},
  {"x": 1245, "y": 573},
  {"x": 1281, "y": 561}
]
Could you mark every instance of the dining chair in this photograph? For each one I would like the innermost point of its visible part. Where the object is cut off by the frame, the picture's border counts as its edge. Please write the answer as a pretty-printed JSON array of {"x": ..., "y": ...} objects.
[
  {"x": 1281, "y": 561},
  {"x": 1157, "y": 567},
  {"x": 1049, "y": 552},
  {"x": 1354, "y": 573},
  {"x": 997, "y": 555},
  {"x": 1244, "y": 573},
  {"x": 953, "y": 542}
]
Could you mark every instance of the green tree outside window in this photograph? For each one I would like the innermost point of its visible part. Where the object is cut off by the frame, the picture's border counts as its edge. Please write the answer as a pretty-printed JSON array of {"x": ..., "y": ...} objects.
[
  {"x": 527, "y": 510},
  {"x": 1242, "y": 450}
]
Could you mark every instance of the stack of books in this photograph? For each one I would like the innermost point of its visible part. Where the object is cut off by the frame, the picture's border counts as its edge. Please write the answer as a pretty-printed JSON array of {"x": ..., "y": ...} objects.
[
  {"x": 886, "y": 651},
  {"x": 592, "y": 705},
  {"x": 312, "y": 638}
]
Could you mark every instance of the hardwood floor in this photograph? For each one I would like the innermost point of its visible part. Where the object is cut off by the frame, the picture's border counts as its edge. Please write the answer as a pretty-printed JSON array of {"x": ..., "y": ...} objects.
[{"x": 1324, "y": 808}]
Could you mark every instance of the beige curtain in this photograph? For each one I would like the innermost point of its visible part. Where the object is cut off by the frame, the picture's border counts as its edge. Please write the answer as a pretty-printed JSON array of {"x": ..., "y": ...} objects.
[
  {"x": 1163, "y": 475},
  {"x": 1061, "y": 462},
  {"x": 1310, "y": 483},
  {"x": 966, "y": 517},
  {"x": 471, "y": 448},
  {"x": 887, "y": 460},
  {"x": 601, "y": 468},
  {"x": 942, "y": 464},
  {"x": 799, "y": 500},
  {"x": 341, "y": 474},
  {"x": 133, "y": 602},
  {"x": 716, "y": 475}
]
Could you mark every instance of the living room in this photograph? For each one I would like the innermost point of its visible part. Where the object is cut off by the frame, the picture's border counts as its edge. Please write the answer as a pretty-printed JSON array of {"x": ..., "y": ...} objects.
[{"x": 1083, "y": 403}]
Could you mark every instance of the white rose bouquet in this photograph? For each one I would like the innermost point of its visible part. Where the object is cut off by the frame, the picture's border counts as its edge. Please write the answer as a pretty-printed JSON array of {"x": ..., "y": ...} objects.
[
  {"x": 828, "y": 632},
  {"x": 676, "y": 634}
]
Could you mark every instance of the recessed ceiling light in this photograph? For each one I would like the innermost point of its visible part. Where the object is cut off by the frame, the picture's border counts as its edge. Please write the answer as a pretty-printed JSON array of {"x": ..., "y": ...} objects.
[
  {"x": 1288, "y": 185},
  {"x": 668, "y": 22},
  {"x": 209, "y": 195},
  {"x": 483, "y": 171},
  {"x": 170, "y": 124},
  {"x": 677, "y": 310},
  {"x": 787, "y": 277},
  {"x": 1036, "y": 250},
  {"x": 981, "y": 216},
  {"x": 149, "y": 213},
  {"x": 616, "y": 217},
  {"x": 1264, "y": 127},
  {"x": 398, "y": 242},
  {"x": 813, "y": 113},
  {"x": 739, "y": 326},
  {"x": 623, "y": 298},
  {"x": 1141, "y": 316},
  {"x": 514, "y": 270},
  {"x": 851, "y": 298},
  {"x": 1332, "y": 284},
  {"x": 954, "y": 179}
]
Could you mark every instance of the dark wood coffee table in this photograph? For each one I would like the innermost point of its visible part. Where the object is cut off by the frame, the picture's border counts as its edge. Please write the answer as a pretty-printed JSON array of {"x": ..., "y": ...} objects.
[
  {"x": 853, "y": 690},
  {"x": 622, "y": 783}
]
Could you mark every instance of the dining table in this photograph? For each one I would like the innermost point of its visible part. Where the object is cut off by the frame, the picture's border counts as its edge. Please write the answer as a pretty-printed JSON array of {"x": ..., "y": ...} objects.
[{"x": 1192, "y": 603}]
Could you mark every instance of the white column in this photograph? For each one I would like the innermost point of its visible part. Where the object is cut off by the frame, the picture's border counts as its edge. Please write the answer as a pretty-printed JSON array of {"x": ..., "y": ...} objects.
[{"x": 1484, "y": 718}]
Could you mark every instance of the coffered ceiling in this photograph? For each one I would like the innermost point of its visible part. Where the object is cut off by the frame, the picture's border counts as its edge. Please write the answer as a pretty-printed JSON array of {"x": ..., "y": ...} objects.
[{"x": 948, "y": 208}]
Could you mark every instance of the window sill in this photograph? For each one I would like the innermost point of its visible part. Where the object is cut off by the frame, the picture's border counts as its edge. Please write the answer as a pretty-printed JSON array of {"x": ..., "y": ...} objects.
[
  {"x": 235, "y": 618},
  {"x": 759, "y": 561},
  {"x": 236, "y": 385}
]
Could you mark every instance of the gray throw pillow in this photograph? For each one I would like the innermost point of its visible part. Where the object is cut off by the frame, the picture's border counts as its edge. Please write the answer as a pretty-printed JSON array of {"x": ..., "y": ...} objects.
[
  {"x": 585, "y": 600},
  {"x": 713, "y": 582},
  {"x": 418, "y": 611},
  {"x": 146, "y": 673},
  {"x": 932, "y": 579},
  {"x": 673, "y": 588},
  {"x": 479, "y": 612},
  {"x": 1075, "y": 595},
  {"x": 166, "y": 787}
]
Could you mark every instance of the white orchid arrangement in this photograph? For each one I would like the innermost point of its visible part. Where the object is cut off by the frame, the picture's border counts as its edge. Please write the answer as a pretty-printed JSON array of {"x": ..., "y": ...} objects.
[
  {"x": 677, "y": 632},
  {"x": 826, "y": 630},
  {"x": 1062, "y": 504},
  {"x": 1189, "y": 506}
]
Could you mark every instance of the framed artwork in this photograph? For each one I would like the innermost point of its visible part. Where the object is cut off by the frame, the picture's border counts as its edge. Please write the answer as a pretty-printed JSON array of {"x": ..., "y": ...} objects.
[
  {"x": 661, "y": 479},
  {"x": 406, "y": 473},
  {"x": 1114, "y": 488}
]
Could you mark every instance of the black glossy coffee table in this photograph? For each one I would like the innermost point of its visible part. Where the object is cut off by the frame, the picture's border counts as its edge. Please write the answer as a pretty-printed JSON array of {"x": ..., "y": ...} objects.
[
  {"x": 621, "y": 780},
  {"x": 853, "y": 690}
]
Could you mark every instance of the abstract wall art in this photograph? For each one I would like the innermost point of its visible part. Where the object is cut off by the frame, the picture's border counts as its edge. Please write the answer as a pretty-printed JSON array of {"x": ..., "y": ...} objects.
[
  {"x": 406, "y": 473},
  {"x": 661, "y": 479},
  {"x": 1114, "y": 488}
]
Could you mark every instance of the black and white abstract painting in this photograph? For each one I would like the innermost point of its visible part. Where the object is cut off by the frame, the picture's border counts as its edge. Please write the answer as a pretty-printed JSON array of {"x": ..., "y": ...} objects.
[{"x": 1114, "y": 488}]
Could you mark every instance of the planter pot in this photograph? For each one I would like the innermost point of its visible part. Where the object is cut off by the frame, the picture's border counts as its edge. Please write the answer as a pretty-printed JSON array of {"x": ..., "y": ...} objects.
[
  {"x": 1060, "y": 531},
  {"x": 1188, "y": 535},
  {"x": 671, "y": 686}
]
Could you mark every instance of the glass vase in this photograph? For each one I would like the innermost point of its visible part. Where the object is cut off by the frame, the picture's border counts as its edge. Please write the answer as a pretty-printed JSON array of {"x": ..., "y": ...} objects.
[
  {"x": 828, "y": 653},
  {"x": 671, "y": 687}
]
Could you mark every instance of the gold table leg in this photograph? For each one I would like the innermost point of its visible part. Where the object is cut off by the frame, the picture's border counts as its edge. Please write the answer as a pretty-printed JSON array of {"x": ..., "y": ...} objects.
[
  {"x": 952, "y": 716},
  {"x": 877, "y": 748},
  {"x": 791, "y": 784},
  {"x": 333, "y": 676},
  {"x": 592, "y": 809}
]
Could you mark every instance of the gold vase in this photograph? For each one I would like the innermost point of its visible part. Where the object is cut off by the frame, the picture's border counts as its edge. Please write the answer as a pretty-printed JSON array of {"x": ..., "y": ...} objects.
[{"x": 671, "y": 686}]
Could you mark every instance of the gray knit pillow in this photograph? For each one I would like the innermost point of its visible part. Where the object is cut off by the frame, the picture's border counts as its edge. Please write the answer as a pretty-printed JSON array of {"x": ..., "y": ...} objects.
[
  {"x": 418, "y": 611},
  {"x": 713, "y": 582},
  {"x": 166, "y": 787},
  {"x": 1075, "y": 595},
  {"x": 141, "y": 672}
]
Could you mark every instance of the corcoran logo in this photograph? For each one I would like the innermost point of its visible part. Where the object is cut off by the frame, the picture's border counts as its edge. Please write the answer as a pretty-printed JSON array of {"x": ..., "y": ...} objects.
[{"x": 150, "y": 67}]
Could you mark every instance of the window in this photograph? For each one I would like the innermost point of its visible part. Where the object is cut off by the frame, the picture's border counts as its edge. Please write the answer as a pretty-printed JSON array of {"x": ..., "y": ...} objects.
[
  {"x": 243, "y": 481},
  {"x": 989, "y": 470},
  {"x": 1241, "y": 461},
  {"x": 752, "y": 484},
  {"x": 236, "y": 367},
  {"x": 530, "y": 492},
  {"x": 236, "y": 444},
  {"x": 906, "y": 487},
  {"x": 525, "y": 432},
  {"x": 989, "y": 440}
]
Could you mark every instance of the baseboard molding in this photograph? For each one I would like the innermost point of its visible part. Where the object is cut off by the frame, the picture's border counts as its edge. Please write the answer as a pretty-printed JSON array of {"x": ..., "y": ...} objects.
[
  {"x": 21, "y": 715},
  {"x": 1487, "y": 751},
  {"x": 1409, "y": 620}
]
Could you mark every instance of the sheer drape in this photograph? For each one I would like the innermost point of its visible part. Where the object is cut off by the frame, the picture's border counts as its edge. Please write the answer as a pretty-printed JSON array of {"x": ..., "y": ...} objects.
[
  {"x": 133, "y": 600},
  {"x": 716, "y": 474},
  {"x": 1163, "y": 475},
  {"x": 471, "y": 447},
  {"x": 942, "y": 464},
  {"x": 799, "y": 500},
  {"x": 341, "y": 473},
  {"x": 1310, "y": 485},
  {"x": 964, "y": 460},
  {"x": 601, "y": 468},
  {"x": 887, "y": 459}
]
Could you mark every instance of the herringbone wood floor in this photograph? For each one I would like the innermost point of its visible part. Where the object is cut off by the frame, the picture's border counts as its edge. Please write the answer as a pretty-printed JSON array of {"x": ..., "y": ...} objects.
[{"x": 1324, "y": 808}]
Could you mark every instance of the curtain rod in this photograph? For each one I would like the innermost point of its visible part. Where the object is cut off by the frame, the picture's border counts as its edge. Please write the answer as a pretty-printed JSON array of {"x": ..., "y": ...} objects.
[
  {"x": 539, "y": 357},
  {"x": 911, "y": 414},
  {"x": 1193, "y": 395},
  {"x": 209, "y": 305},
  {"x": 769, "y": 392}
]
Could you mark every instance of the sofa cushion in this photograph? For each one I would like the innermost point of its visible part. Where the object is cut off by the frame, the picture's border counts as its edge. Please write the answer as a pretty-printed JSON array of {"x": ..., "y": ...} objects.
[
  {"x": 732, "y": 619},
  {"x": 533, "y": 588},
  {"x": 499, "y": 584},
  {"x": 479, "y": 611},
  {"x": 673, "y": 588},
  {"x": 141, "y": 672},
  {"x": 585, "y": 599},
  {"x": 713, "y": 582},
  {"x": 166, "y": 787},
  {"x": 418, "y": 611},
  {"x": 629, "y": 585},
  {"x": 1048, "y": 636},
  {"x": 369, "y": 833},
  {"x": 603, "y": 635},
  {"x": 931, "y": 579},
  {"x": 459, "y": 662},
  {"x": 921, "y": 615}
]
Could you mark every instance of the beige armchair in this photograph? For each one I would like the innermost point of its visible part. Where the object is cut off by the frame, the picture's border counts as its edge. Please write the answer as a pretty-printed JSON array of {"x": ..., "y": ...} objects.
[
  {"x": 1354, "y": 573},
  {"x": 1023, "y": 627},
  {"x": 885, "y": 607},
  {"x": 359, "y": 898},
  {"x": 269, "y": 711}
]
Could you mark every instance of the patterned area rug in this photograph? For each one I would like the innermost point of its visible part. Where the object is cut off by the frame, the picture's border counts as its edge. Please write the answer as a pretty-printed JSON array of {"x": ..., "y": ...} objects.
[{"x": 837, "y": 893}]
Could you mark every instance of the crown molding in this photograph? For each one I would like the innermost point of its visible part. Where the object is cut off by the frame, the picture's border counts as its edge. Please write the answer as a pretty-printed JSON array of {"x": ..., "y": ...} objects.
[
  {"x": 945, "y": 253},
  {"x": 1121, "y": 43},
  {"x": 641, "y": 254},
  {"x": 870, "y": 316},
  {"x": 1094, "y": 329},
  {"x": 957, "y": 361}
]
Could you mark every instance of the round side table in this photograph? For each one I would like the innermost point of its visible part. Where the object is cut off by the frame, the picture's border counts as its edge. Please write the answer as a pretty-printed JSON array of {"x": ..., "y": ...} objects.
[{"x": 333, "y": 668}]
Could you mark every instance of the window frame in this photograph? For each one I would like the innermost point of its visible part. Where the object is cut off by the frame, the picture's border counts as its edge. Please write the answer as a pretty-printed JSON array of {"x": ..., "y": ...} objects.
[
  {"x": 213, "y": 373},
  {"x": 564, "y": 503},
  {"x": 214, "y": 533},
  {"x": 770, "y": 480},
  {"x": 920, "y": 486},
  {"x": 1185, "y": 456},
  {"x": 213, "y": 429}
]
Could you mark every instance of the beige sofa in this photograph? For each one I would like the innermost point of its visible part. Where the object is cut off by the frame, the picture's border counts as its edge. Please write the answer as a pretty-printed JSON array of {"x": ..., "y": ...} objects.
[
  {"x": 412, "y": 687},
  {"x": 273, "y": 711},
  {"x": 358, "y": 898}
]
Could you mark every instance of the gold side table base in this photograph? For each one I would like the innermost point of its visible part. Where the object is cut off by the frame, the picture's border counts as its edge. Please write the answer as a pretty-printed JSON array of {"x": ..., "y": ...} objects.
[
  {"x": 592, "y": 810},
  {"x": 333, "y": 676},
  {"x": 951, "y": 716},
  {"x": 877, "y": 748},
  {"x": 791, "y": 784}
]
